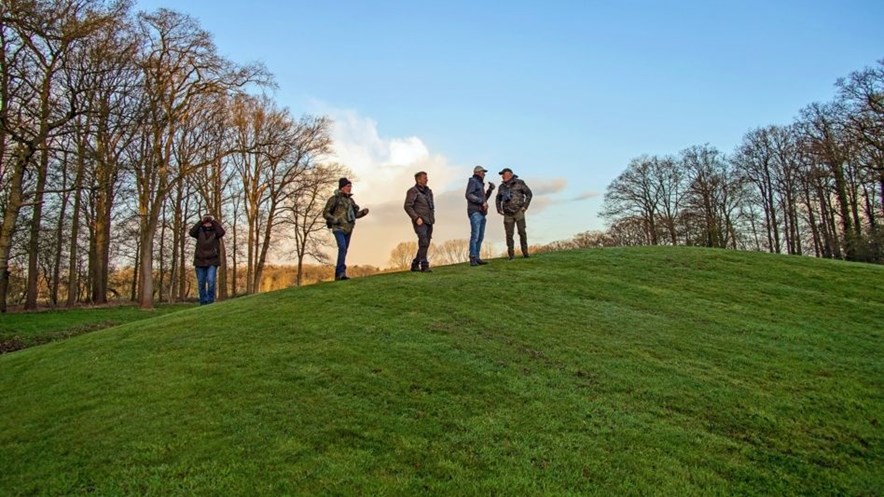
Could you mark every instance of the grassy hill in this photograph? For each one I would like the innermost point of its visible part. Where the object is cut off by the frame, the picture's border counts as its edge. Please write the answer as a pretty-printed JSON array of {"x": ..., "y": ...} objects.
[{"x": 647, "y": 371}]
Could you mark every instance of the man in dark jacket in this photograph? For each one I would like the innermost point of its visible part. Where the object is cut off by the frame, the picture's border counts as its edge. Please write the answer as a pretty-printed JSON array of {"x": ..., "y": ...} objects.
[
  {"x": 477, "y": 209},
  {"x": 513, "y": 199},
  {"x": 340, "y": 214},
  {"x": 207, "y": 255},
  {"x": 421, "y": 209}
]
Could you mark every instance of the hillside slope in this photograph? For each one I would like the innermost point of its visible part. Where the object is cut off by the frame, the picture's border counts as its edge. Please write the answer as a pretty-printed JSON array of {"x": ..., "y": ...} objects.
[{"x": 666, "y": 371}]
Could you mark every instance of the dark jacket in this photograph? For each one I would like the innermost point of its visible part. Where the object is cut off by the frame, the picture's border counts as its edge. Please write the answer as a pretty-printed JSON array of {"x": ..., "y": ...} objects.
[
  {"x": 513, "y": 196},
  {"x": 208, "y": 244},
  {"x": 476, "y": 195},
  {"x": 419, "y": 204},
  {"x": 341, "y": 212}
]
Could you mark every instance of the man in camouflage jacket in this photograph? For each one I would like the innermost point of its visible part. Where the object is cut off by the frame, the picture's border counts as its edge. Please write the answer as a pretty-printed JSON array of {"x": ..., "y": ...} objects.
[
  {"x": 340, "y": 214},
  {"x": 513, "y": 199}
]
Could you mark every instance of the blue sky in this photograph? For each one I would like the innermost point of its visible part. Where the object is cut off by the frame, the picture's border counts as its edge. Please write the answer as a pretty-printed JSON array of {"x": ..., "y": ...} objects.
[{"x": 565, "y": 93}]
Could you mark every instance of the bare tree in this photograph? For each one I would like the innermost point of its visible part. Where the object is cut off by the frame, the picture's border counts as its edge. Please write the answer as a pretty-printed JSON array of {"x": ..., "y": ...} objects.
[
  {"x": 274, "y": 153},
  {"x": 453, "y": 251},
  {"x": 402, "y": 254},
  {"x": 592, "y": 239},
  {"x": 711, "y": 194},
  {"x": 303, "y": 213},
  {"x": 181, "y": 67},
  {"x": 754, "y": 159},
  {"x": 863, "y": 93},
  {"x": 824, "y": 135},
  {"x": 634, "y": 195},
  {"x": 37, "y": 102}
]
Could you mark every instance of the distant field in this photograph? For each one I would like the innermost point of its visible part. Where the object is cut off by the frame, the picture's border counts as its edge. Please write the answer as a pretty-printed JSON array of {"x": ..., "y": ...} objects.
[
  {"x": 20, "y": 330},
  {"x": 643, "y": 371}
]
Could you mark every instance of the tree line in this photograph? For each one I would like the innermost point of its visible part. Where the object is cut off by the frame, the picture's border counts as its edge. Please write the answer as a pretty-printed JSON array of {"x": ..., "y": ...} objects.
[
  {"x": 118, "y": 129},
  {"x": 811, "y": 187}
]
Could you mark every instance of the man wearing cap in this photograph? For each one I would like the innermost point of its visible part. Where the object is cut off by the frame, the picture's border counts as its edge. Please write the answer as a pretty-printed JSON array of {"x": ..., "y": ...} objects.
[
  {"x": 207, "y": 255},
  {"x": 340, "y": 214},
  {"x": 421, "y": 208},
  {"x": 477, "y": 209},
  {"x": 513, "y": 199}
]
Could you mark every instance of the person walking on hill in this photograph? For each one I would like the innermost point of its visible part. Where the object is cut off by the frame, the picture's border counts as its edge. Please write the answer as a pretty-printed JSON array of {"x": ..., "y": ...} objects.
[
  {"x": 421, "y": 209},
  {"x": 207, "y": 255},
  {"x": 340, "y": 214},
  {"x": 513, "y": 199},
  {"x": 477, "y": 209}
]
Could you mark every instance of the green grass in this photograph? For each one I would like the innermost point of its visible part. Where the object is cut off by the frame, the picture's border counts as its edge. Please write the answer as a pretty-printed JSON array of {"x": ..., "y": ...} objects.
[
  {"x": 20, "y": 330},
  {"x": 647, "y": 371}
]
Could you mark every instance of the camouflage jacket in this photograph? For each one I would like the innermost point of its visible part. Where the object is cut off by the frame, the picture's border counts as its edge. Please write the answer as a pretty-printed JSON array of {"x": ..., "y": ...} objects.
[
  {"x": 341, "y": 212},
  {"x": 513, "y": 196}
]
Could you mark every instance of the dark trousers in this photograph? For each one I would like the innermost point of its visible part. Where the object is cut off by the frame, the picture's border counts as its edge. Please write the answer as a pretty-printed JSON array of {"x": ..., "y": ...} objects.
[
  {"x": 343, "y": 241},
  {"x": 509, "y": 222},
  {"x": 424, "y": 236}
]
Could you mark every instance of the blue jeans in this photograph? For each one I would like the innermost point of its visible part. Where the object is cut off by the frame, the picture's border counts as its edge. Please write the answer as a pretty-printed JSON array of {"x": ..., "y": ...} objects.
[
  {"x": 477, "y": 234},
  {"x": 205, "y": 281},
  {"x": 343, "y": 241}
]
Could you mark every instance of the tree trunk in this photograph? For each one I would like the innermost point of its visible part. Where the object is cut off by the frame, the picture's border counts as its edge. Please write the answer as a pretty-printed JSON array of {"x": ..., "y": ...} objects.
[
  {"x": 102, "y": 238},
  {"x": 59, "y": 232},
  {"x": 265, "y": 246},
  {"x": 814, "y": 229},
  {"x": 174, "y": 270},
  {"x": 844, "y": 209},
  {"x": 161, "y": 274},
  {"x": 145, "y": 294},
  {"x": 251, "y": 254},
  {"x": 10, "y": 216},
  {"x": 73, "y": 273},
  {"x": 831, "y": 227},
  {"x": 181, "y": 218},
  {"x": 233, "y": 259},
  {"x": 217, "y": 202},
  {"x": 34, "y": 240},
  {"x": 136, "y": 271}
]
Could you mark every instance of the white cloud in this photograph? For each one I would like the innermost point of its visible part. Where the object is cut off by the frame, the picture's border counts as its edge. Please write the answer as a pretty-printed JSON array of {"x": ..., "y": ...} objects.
[
  {"x": 382, "y": 168},
  {"x": 587, "y": 195}
]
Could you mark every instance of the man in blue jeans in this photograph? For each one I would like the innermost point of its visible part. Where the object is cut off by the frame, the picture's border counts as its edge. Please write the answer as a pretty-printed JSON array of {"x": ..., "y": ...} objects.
[
  {"x": 477, "y": 209},
  {"x": 207, "y": 255},
  {"x": 340, "y": 214}
]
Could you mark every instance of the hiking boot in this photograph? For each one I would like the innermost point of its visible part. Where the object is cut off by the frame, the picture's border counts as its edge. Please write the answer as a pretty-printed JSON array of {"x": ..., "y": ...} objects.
[
  {"x": 344, "y": 277},
  {"x": 474, "y": 261},
  {"x": 481, "y": 262},
  {"x": 415, "y": 269}
]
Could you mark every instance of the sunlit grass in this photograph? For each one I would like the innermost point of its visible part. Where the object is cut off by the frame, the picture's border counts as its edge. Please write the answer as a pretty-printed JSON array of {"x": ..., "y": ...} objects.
[{"x": 654, "y": 371}]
